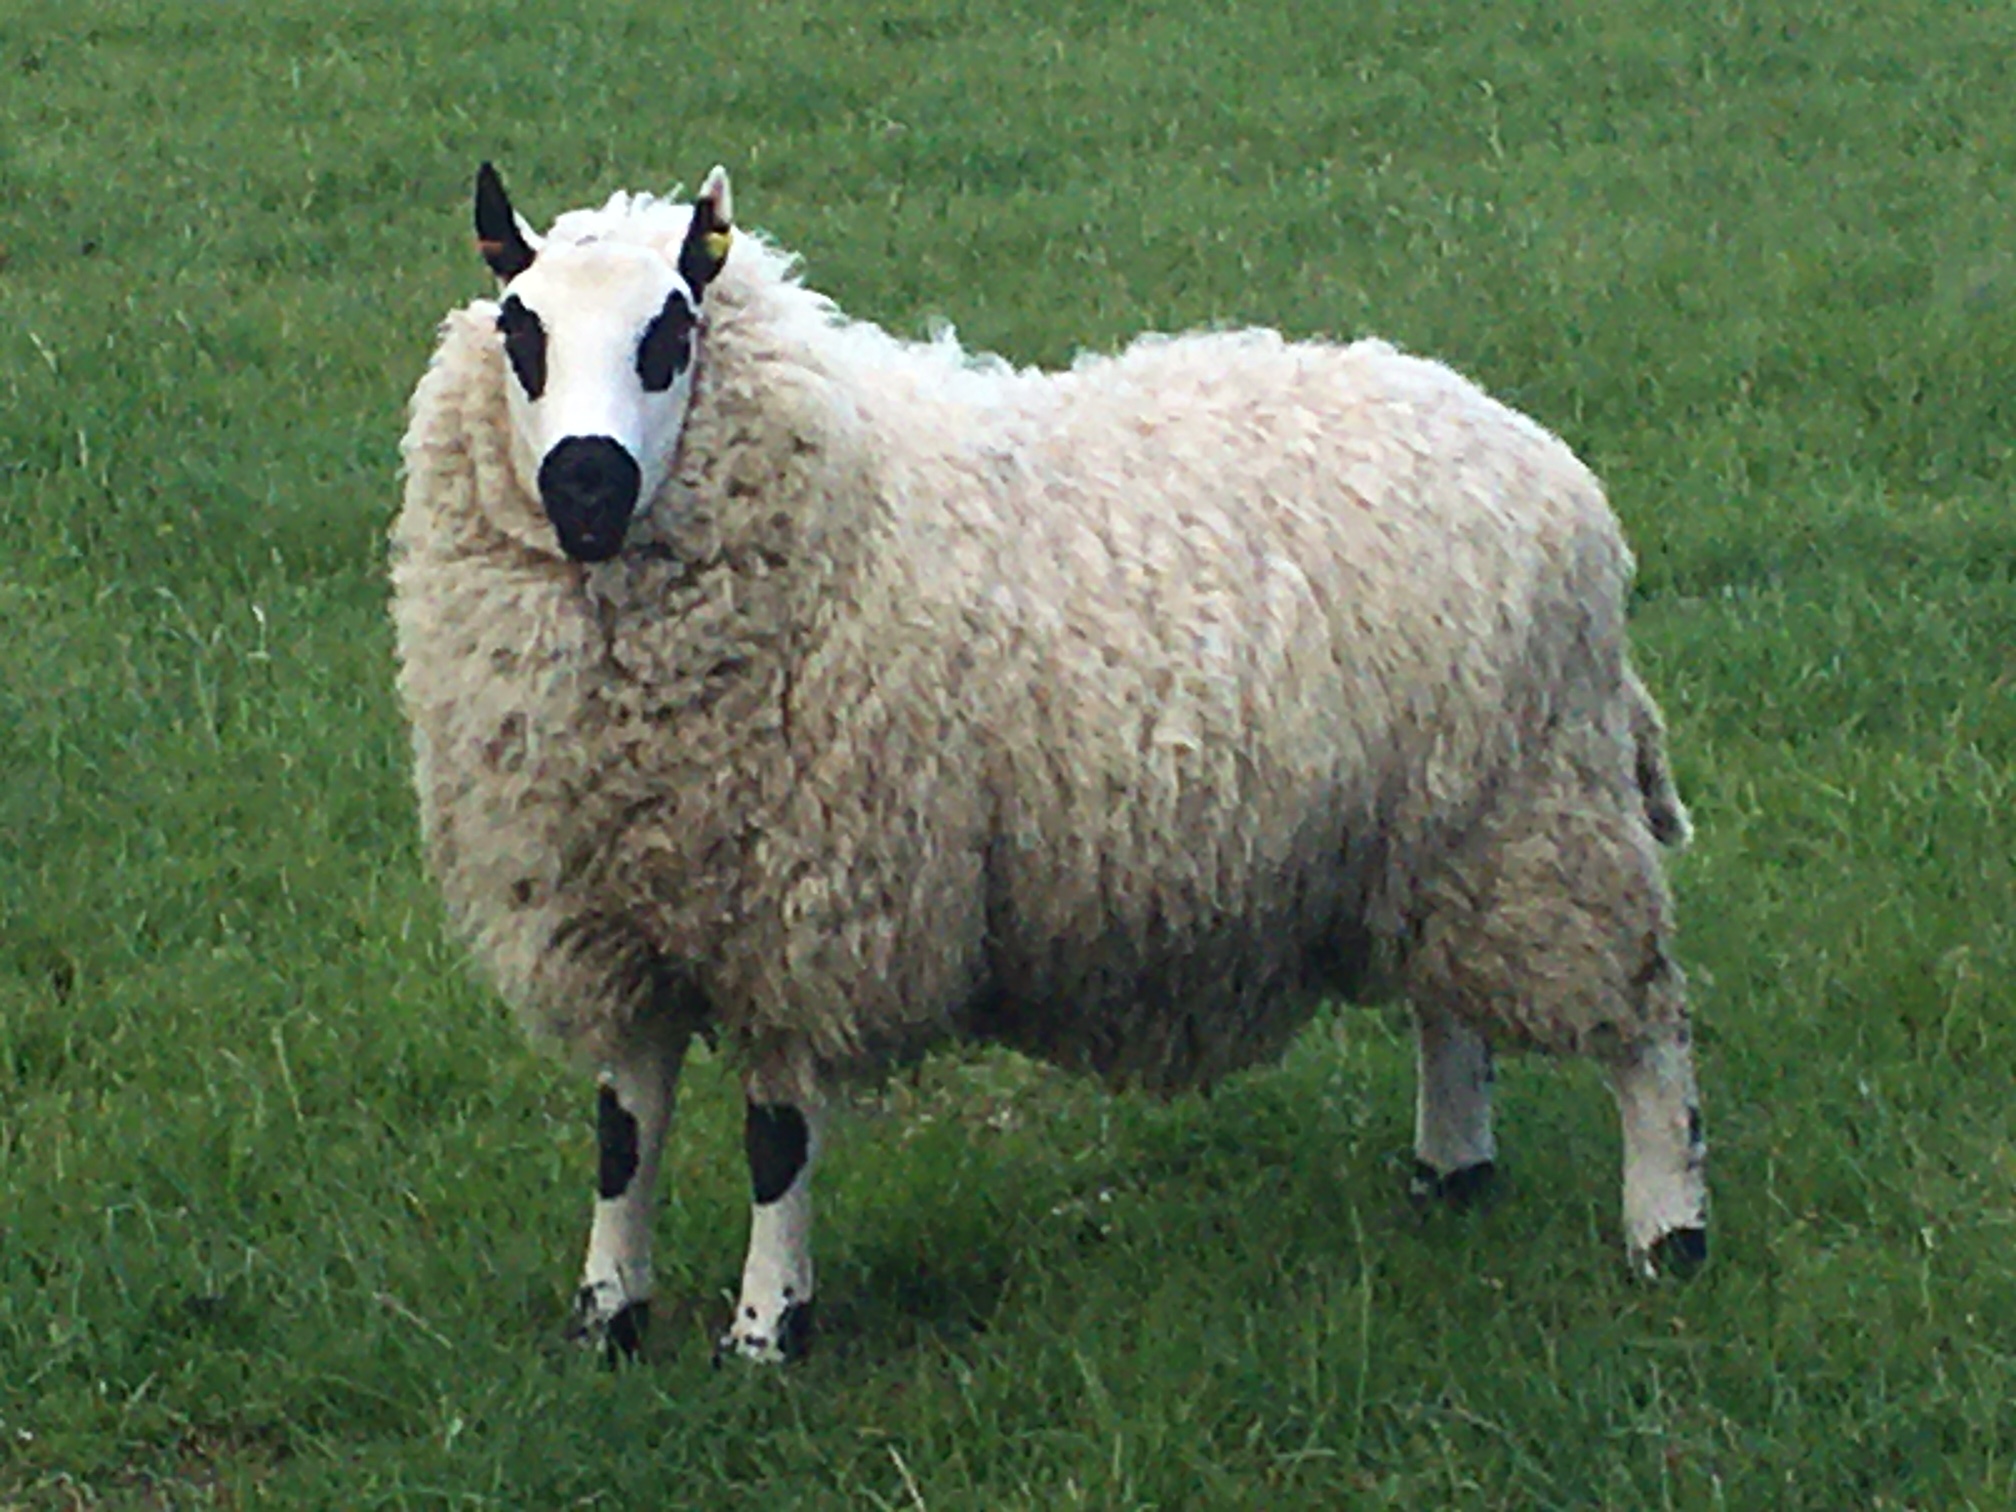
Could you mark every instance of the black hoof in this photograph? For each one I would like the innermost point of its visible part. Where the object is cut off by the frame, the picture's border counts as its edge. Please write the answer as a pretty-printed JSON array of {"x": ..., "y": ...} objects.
[
  {"x": 626, "y": 1331},
  {"x": 620, "y": 1337},
  {"x": 1460, "y": 1190},
  {"x": 794, "y": 1331},
  {"x": 793, "y": 1340},
  {"x": 1679, "y": 1254}
]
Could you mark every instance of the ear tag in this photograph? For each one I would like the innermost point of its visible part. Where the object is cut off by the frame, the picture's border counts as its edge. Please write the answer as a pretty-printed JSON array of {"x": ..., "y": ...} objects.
[{"x": 717, "y": 243}]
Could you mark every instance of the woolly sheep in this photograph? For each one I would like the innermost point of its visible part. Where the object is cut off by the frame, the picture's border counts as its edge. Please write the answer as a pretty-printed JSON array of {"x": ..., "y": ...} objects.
[{"x": 832, "y": 696}]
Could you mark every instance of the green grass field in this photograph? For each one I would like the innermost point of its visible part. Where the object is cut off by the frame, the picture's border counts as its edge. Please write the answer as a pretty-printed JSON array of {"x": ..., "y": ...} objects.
[{"x": 289, "y": 1214}]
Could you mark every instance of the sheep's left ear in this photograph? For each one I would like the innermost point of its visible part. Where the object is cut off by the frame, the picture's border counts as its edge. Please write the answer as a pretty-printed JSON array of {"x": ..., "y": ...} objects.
[{"x": 708, "y": 233}]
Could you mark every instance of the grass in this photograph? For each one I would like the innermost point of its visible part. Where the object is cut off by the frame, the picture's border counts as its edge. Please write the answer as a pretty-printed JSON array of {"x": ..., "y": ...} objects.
[{"x": 287, "y": 1214}]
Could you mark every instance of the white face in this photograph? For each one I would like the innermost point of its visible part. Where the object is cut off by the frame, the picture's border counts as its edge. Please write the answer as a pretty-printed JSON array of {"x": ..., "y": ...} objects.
[{"x": 599, "y": 338}]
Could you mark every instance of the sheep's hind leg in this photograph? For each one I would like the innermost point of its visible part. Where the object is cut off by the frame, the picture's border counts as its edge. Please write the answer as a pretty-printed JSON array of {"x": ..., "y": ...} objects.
[
  {"x": 773, "y": 1316},
  {"x": 1455, "y": 1156},
  {"x": 1665, "y": 1155},
  {"x": 633, "y": 1112},
  {"x": 1553, "y": 930}
]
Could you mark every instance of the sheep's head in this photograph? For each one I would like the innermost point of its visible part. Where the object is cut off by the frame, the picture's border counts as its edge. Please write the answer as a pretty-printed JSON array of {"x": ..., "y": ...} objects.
[{"x": 600, "y": 337}]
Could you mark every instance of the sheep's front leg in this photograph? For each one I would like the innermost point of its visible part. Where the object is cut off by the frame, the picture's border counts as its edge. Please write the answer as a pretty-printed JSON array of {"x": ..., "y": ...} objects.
[
  {"x": 1665, "y": 1156},
  {"x": 633, "y": 1111},
  {"x": 773, "y": 1317},
  {"x": 1454, "y": 1153}
]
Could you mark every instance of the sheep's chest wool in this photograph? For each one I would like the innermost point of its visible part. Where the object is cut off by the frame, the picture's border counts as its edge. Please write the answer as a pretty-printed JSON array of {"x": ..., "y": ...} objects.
[{"x": 833, "y": 695}]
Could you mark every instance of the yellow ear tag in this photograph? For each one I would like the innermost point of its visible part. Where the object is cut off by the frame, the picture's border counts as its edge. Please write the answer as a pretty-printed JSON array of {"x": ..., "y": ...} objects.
[{"x": 716, "y": 243}]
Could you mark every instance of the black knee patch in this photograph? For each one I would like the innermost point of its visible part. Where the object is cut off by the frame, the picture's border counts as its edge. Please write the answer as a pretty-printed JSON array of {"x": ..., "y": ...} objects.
[
  {"x": 1467, "y": 1187},
  {"x": 616, "y": 1133},
  {"x": 1694, "y": 1127},
  {"x": 1681, "y": 1253},
  {"x": 777, "y": 1141}
]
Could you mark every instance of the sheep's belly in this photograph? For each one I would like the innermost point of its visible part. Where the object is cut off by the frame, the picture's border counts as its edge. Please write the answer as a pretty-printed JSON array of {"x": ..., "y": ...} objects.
[{"x": 1166, "y": 1013}]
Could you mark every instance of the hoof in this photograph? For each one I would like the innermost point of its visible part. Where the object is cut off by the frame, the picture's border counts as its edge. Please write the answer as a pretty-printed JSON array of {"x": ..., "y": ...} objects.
[
  {"x": 790, "y": 1339},
  {"x": 1460, "y": 1190},
  {"x": 1676, "y": 1255},
  {"x": 619, "y": 1335}
]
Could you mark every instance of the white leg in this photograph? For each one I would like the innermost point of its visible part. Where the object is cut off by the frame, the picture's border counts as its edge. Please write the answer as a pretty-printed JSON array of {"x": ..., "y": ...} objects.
[
  {"x": 1454, "y": 1152},
  {"x": 1665, "y": 1156},
  {"x": 633, "y": 1113},
  {"x": 773, "y": 1315}
]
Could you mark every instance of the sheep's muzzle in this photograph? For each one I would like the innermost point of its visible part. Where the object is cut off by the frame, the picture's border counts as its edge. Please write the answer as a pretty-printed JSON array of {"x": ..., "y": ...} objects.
[{"x": 589, "y": 485}]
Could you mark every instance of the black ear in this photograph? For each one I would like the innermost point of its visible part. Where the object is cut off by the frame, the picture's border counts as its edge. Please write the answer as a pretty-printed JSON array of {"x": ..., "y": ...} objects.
[
  {"x": 705, "y": 249},
  {"x": 499, "y": 237}
]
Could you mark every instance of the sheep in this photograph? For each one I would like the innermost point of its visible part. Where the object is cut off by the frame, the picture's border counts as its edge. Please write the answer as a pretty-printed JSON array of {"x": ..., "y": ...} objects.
[{"x": 834, "y": 696}]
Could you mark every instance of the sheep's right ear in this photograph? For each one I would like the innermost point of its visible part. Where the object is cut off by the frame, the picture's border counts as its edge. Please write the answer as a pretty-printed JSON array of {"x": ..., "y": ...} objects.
[{"x": 500, "y": 235}]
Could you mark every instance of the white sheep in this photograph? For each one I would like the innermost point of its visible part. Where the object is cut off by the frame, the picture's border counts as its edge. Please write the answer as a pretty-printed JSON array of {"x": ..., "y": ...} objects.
[{"x": 835, "y": 695}]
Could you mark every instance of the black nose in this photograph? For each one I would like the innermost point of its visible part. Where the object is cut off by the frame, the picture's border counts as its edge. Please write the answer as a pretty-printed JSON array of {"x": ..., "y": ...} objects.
[{"x": 589, "y": 487}]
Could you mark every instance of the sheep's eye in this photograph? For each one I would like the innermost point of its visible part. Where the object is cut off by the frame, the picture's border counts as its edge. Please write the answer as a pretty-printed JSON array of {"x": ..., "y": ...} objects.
[
  {"x": 525, "y": 345},
  {"x": 666, "y": 345}
]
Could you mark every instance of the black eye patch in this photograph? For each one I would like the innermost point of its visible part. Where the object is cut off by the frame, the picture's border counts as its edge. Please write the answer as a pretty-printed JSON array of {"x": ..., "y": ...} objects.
[
  {"x": 666, "y": 345},
  {"x": 525, "y": 345}
]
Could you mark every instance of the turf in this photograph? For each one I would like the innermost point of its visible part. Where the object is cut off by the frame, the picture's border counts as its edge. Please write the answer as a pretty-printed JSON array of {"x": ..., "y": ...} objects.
[{"x": 288, "y": 1213}]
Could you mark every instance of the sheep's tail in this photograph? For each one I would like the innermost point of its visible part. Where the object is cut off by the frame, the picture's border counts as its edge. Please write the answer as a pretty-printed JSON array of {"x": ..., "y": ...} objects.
[{"x": 1664, "y": 811}]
